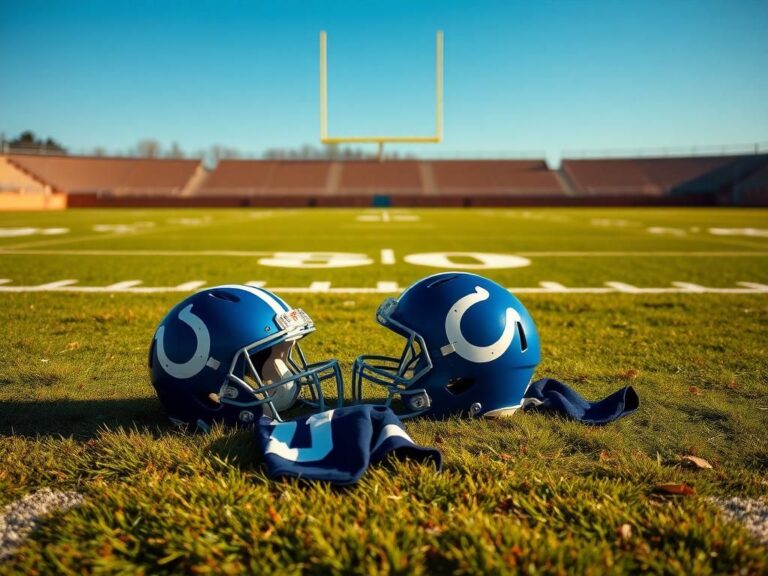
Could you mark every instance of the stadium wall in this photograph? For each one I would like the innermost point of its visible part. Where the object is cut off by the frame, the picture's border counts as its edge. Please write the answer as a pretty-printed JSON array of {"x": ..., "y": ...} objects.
[
  {"x": 96, "y": 201},
  {"x": 12, "y": 201}
]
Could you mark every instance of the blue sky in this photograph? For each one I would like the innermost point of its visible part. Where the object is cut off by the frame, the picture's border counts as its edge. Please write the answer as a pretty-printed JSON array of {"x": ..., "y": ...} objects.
[{"x": 532, "y": 76}]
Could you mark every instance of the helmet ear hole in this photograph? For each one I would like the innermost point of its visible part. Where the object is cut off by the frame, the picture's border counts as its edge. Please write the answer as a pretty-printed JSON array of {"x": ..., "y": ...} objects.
[
  {"x": 210, "y": 401},
  {"x": 523, "y": 339},
  {"x": 459, "y": 385}
]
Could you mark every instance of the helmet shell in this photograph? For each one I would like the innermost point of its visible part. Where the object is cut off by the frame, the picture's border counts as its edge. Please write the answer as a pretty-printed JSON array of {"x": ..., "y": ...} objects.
[
  {"x": 195, "y": 345},
  {"x": 481, "y": 340}
]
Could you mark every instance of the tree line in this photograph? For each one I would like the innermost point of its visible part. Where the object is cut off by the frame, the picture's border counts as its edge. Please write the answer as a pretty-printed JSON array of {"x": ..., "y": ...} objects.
[{"x": 29, "y": 142}]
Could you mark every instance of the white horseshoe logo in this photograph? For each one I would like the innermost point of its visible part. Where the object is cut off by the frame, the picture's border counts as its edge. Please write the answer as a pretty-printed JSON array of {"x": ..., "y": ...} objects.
[
  {"x": 199, "y": 358},
  {"x": 456, "y": 341}
]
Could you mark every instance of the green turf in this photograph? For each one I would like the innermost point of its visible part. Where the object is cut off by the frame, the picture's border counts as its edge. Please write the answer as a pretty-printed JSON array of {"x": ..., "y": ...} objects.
[{"x": 530, "y": 493}]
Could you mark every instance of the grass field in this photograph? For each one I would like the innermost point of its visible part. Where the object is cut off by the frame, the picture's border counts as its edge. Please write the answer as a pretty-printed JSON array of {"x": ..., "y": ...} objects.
[{"x": 671, "y": 301}]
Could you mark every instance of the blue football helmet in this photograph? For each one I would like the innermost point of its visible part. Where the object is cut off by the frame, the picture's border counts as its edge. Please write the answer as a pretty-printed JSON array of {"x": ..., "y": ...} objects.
[
  {"x": 231, "y": 354},
  {"x": 471, "y": 349}
]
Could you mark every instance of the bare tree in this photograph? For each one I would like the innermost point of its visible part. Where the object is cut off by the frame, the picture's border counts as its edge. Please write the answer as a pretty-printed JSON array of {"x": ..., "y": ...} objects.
[
  {"x": 175, "y": 151},
  {"x": 218, "y": 152},
  {"x": 148, "y": 148}
]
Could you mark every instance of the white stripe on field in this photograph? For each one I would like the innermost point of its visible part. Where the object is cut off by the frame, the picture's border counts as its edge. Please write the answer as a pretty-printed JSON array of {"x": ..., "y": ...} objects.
[
  {"x": 383, "y": 287},
  {"x": 19, "y": 518},
  {"x": 387, "y": 256},
  {"x": 252, "y": 253}
]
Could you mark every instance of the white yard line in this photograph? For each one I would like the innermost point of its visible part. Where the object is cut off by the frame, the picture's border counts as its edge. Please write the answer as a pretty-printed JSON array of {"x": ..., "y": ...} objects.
[
  {"x": 238, "y": 253},
  {"x": 101, "y": 236},
  {"x": 389, "y": 287},
  {"x": 19, "y": 518},
  {"x": 387, "y": 256},
  {"x": 4, "y": 251},
  {"x": 642, "y": 253},
  {"x": 750, "y": 512},
  {"x": 75, "y": 240}
]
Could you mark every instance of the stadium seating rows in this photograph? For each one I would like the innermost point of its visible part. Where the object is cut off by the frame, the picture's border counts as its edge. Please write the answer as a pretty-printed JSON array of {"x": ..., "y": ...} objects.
[
  {"x": 112, "y": 176},
  {"x": 661, "y": 176},
  {"x": 720, "y": 179}
]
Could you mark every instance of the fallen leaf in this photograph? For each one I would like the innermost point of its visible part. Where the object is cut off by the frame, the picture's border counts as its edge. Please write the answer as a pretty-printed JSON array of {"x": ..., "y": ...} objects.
[
  {"x": 695, "y": 462},
  {"x": 605, "y": 456},
  {"x": 674, "y": 489},
  {"x": 438, "y": 439},
  {"x": 505, "y": 456},
  {"x": 71, "y": 346},
  {"x": 431, "y": 527},
  {"x": 624, "y": 531},
  {"x": 274, "y": 516},
  {"x": 694, "y": 390},
  {"x": 630, "y": 374}
]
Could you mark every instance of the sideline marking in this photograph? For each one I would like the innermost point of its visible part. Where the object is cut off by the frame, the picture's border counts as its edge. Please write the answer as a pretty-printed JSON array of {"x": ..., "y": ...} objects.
[{"x": 387, "y": 287}]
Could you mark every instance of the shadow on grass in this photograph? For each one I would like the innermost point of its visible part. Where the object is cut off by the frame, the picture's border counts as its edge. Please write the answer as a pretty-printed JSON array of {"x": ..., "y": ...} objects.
[
  {"x": 79, "y": 418},
  {"x": 239, "y": 448},
  {"x": 718, "y": 420}
]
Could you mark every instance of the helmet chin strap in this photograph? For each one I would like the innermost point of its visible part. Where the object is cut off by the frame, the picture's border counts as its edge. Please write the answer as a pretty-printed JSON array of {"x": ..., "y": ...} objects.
[{"x": 275, "y": 369}]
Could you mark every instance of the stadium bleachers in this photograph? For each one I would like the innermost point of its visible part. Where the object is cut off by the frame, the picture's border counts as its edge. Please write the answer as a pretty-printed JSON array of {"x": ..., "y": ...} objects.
[
  {"x": 626, "y": 181},
  {"x": 16, "y": 180},
  {"x": 396, "y": 177},
  {"x": 391, "y": 178},
  {"x": 266, "y": 178},
  {"x": 753, "y": 191},
  {"x": 109, "y": 176},
  {"x": 495, "y": 178},
  {"x": 709, "y": 175}
]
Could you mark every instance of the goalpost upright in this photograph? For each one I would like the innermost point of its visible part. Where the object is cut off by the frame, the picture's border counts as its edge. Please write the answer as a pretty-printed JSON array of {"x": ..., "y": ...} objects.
[{"x": 381, "y": 140}]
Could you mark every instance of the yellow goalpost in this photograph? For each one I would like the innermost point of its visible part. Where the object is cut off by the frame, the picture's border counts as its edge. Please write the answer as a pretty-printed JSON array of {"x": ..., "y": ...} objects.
[{"x": 381, "y": 140}]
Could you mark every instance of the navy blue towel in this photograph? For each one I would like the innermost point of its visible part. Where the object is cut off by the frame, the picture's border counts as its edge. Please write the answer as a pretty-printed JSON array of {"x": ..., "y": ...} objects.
[
  {"x": 337, "y": 446},
  {"x": 550, "y": 395}
]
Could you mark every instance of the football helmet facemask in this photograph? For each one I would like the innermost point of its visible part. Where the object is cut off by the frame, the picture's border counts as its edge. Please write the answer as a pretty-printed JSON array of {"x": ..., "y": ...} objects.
[
  {"x": 471, "y": 348},
  {"x": 231, "y": 354}
]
